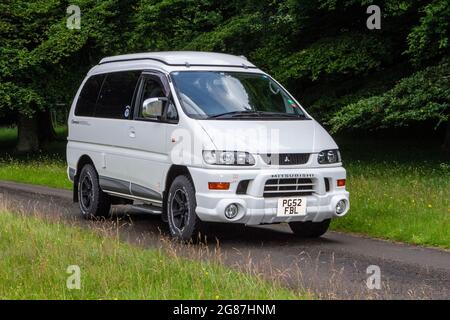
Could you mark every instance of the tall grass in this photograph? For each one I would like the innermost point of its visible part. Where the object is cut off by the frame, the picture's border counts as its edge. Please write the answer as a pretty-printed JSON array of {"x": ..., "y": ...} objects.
[
  {"x": 35, "y": 255},
  {"x": 398, "y": 191}
]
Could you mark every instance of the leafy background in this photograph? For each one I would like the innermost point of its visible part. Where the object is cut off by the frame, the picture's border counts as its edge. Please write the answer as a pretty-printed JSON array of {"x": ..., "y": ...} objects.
[{"x": 349, "y": 77}]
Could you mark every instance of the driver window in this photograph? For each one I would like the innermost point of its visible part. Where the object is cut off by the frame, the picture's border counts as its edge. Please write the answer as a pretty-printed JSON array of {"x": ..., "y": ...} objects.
[
  {"x": 152, "y": 89},
  {"x": 171, "y": 112}
]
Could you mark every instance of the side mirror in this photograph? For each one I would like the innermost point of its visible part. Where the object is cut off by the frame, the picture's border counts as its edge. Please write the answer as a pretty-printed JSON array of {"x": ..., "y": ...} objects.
[{"x": 153, "y": 107}]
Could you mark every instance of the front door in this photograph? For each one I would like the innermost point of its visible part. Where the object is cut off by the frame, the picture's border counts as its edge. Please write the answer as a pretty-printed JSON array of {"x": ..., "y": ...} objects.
[{"x": 147, "y": 136}]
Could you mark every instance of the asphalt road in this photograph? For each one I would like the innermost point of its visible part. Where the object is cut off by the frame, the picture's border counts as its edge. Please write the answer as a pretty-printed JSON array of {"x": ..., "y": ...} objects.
[{"x": 334, "y": 266}]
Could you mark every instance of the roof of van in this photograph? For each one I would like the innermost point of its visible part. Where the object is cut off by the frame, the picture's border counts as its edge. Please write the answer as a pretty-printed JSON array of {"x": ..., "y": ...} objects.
[{"x": 185, "y": 58}]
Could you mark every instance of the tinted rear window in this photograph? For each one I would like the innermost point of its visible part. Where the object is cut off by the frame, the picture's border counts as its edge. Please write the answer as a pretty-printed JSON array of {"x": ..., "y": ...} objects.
[
  {"x": 116, "y": 94},
  {"x": 88, "y": 96}
]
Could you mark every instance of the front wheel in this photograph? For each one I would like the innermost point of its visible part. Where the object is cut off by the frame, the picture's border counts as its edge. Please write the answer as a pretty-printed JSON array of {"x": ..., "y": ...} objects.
[
  {"x": 181, "y": 204},
  {"x": 93, "y": 201},
  {"x": 309, "y": 229}
]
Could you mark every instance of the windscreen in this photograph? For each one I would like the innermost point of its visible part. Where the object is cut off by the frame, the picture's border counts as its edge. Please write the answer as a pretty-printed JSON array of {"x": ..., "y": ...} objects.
[{"x": 229, "y": 95}]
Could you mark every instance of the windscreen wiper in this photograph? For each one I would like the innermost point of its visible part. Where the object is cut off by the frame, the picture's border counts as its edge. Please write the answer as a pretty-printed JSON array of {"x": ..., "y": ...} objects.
[
  {"x": 254, "y": 113},
  {"x": 235, "y": 114},
  {"x": 282, "y": 115}
]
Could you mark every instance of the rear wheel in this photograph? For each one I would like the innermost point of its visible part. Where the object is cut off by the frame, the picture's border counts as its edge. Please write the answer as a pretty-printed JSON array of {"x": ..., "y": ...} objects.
[
  {"x": 309, "y": 229},
  {"x": 94, "y": 203},
  {"x": 181, "y": 204}
]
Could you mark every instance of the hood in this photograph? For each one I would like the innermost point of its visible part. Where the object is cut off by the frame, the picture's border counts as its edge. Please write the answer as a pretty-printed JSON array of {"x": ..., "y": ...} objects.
[{"x": 298, "y": 136}]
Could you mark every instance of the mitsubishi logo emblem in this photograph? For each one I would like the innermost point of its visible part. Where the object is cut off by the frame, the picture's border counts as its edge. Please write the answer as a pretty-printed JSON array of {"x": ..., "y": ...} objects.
[{"x": 287, "y": 159}]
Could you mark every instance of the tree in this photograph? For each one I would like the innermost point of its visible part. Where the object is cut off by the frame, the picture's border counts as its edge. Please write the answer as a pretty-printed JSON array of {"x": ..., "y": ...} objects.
[
  {"x": 42, "y": 61},
  {"x": 347, "y": 76},
  {"x": 421, "y": 97}
]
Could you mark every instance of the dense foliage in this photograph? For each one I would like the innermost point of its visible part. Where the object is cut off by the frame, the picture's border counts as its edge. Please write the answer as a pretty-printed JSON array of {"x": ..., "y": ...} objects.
[
  {"x": 425, "y": 95},
  {"x": 346, "y": 75}
]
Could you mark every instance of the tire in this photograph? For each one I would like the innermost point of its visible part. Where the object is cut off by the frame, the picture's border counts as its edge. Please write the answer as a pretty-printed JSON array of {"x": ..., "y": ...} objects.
[
  {"x": 309, "y": 229},
  {"x": 181, "y": 203},
  {"x": 93, "y": 202}
]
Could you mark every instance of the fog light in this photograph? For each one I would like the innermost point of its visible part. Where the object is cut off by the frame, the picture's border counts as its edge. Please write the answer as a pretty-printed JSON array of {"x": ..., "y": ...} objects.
[
  {"x": 341, "y": 206},
  {"x": 231, "y": 211}
]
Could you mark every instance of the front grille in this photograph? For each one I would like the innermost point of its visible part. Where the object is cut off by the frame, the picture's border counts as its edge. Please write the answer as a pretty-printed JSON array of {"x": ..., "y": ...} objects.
[
  {"x": 285, "y": 159},
  {"x": 288, "y": 187}
]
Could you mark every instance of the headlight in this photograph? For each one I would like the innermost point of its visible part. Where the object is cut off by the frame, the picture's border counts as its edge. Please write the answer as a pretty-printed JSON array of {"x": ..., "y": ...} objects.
[
  {"x": 329, "y": 156},
  {"x": 232, "y": 158}
]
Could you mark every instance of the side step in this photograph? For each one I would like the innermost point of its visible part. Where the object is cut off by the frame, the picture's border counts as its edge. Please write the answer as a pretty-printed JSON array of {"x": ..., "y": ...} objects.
[{"x": 147, "y": 208}]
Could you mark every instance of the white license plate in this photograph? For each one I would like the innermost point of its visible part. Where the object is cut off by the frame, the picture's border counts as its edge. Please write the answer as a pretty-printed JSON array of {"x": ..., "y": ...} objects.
[{"x": 294, "y": 206}]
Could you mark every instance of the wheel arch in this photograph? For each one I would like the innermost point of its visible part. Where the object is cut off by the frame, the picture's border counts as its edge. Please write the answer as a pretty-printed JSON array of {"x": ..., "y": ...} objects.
[
  {"x": 82, "y": 161},
  {"x": 173, "y": 172}
]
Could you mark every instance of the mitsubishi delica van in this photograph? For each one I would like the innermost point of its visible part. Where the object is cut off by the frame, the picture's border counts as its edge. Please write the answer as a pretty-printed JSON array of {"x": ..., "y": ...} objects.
[{"x": 201, "y": 137}]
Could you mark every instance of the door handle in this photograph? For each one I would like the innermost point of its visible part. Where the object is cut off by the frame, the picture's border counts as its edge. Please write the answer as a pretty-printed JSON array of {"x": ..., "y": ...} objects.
[
  {"x": 132, "y": 133},
  {"x": 81, "y": 122}
]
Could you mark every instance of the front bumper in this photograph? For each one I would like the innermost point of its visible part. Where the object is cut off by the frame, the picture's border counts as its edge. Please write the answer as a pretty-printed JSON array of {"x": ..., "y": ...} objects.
[{"x": 256, "y": 209}]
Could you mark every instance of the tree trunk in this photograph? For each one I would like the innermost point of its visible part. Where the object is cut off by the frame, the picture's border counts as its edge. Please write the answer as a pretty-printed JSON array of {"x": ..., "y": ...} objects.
[
  {"x": 46, "y": 130},
  {"x": 27, "y": 131},
  {"x": 34, "y": 132}
]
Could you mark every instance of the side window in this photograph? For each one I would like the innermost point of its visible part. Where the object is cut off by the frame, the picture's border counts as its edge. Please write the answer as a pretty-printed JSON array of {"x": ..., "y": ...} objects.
[
  {"x": 116, "y": 95},
  {"x": 171, "y": 114},
  {"x": 88, "y": 96},
  {"x": 151, "y": 89},
  {"x": 153, "y": 102}
]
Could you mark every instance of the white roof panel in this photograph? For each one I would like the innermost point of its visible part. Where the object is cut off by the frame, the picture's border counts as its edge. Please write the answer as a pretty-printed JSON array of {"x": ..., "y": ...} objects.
[{"x": 185, "y": 58}]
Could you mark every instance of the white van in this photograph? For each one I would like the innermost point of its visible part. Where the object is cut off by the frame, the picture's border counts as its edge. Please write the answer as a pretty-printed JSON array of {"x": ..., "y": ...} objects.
[{"x": 197, "y": 136}]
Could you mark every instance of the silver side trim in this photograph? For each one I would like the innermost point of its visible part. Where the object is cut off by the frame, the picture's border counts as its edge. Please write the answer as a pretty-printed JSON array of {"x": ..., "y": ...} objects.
[
  {"x": 148, "y": 209},
  {"x": 129, "y": 196}
]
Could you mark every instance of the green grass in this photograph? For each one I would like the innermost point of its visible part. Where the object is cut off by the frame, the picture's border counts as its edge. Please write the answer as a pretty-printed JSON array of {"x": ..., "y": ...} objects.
[
  {"x": 46, "y": 167},
  {"x": 35, "y": 255},
  {"x": 8, "y": 136},
  {"x": 398, "y": 190},
  {"x": 39, "y": 169}
]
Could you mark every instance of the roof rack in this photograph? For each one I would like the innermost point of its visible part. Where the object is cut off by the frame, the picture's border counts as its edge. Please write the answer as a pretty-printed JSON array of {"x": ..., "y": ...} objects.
[{"x": 185, "y": 59}]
